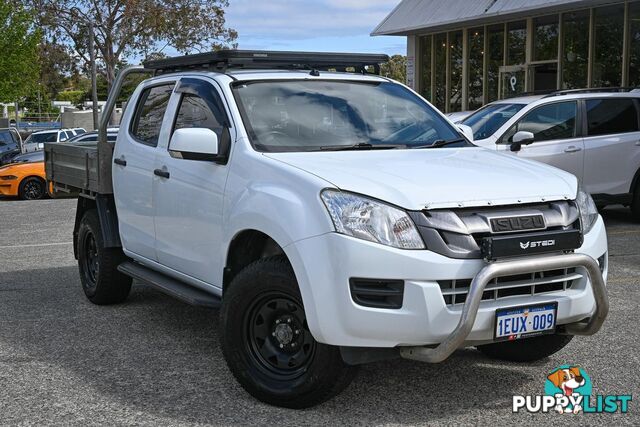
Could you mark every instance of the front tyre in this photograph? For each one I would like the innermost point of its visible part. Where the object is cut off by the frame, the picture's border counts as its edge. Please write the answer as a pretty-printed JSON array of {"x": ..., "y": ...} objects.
[
  {"x": 267, "y": 344},
  {"x": 527, "y": 349},
  {"x": 102, "y": 283},
  {"x": 635, "y": 204},
  {"x": 32, "y": 188}
]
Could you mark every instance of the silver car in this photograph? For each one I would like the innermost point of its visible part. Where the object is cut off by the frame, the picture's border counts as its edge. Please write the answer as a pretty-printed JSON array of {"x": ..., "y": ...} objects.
[{"x": 595, "y": 135}]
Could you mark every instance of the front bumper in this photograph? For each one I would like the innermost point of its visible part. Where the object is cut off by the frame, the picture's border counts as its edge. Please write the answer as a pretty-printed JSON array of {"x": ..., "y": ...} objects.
[
  {"x": 8, "y": 188},
  {"x": 324, "y": 265}
]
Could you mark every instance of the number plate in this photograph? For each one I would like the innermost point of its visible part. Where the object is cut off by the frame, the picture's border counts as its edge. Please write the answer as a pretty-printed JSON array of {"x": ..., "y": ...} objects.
[{"x": 521, "y": 322}]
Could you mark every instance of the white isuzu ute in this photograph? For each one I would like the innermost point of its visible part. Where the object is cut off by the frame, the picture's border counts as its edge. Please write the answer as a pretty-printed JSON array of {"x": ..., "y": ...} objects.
[{"x": 336, "y": 217}]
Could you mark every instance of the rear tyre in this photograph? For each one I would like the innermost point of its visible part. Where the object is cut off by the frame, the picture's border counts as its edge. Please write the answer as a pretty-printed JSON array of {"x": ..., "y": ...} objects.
[
  {"x": 267, "y": 344},
  {"x": 635, "y": 204},
  {"x": 102, "y": 283},
  {"x": 32, "y": 188},
  {"x": 526, "y": 350}
]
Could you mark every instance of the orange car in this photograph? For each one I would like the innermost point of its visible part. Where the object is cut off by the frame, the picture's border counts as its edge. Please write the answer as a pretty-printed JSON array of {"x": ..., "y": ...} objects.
[{"x": 24, "y": 177}]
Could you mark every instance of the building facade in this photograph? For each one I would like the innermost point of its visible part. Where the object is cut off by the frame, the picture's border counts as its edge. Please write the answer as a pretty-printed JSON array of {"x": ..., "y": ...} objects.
[{"x": 463, "y": 54}]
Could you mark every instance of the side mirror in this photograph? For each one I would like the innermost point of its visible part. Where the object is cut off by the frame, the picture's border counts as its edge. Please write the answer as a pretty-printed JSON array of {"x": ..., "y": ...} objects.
[
  {"x": 40, "y": 146},
  {"x": 521, "y": 138},
  {"x": 194, "y": 144},
  {"x": 466, "y": 131}
]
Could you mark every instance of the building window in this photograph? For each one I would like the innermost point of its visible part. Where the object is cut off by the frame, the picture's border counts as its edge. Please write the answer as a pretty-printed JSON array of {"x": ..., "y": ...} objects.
[
  {"x": 455, "y": 65},
  {"x": 516, "y": 42},
  {"x": 545, "y": 38},
  {"x": 495, "y": 59},
  {"x": 575, "y": 55},
  {"x": 475, "y": 43},
  {"x": 440, "y": 72},
  {"x": 425, "y": 67},
  {"x": 609, "y": 33},
  {"x": 634, "y": 44}
]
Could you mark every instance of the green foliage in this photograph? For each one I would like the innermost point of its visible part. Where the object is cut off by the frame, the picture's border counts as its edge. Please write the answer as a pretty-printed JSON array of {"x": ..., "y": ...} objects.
[
  {"x": 19, "y": 65},
  {"x": 395, "y": 68},
  {"x": 74, "y": 96},
  {"x": 57, "y": 68},
  {"x": 134, "y": 28}
]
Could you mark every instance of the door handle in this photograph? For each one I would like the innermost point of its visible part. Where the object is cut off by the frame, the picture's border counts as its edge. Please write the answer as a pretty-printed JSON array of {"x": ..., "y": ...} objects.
[
  {"x": 161, "y": 173},
  {"x": 121, "y": 162},
  {"x": 572, "y": 149},
  {"x": 638, "y": 143}
]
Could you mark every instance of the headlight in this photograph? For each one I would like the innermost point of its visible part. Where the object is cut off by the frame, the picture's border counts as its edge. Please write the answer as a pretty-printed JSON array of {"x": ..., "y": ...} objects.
[
  {"x": 588, "y": 210},
  {"x": 371, "y": 220}
]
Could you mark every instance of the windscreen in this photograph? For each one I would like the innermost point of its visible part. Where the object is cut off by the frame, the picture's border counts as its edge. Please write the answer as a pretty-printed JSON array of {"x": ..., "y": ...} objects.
[
  {"x": 43, "y": 137},
  {"x": 35, "y": 157},
  {"x": 7, "y": 141},
  {"x": 303, "y": 115},
  {"x": 486, "y": 121}
]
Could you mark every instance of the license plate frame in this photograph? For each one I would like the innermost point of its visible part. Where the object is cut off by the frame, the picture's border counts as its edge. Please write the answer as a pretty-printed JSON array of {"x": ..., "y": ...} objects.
[{"x": 515, "y": 310}]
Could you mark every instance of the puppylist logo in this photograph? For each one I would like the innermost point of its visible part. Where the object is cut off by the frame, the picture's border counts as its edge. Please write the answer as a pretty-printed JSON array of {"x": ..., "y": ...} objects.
[{"x": 568, "y": 391}]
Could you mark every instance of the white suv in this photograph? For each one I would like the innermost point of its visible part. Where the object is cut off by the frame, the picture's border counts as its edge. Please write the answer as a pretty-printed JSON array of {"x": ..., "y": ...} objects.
[
  {"x": 36, "y": 140},
  {"x": 594, "y": 135}
]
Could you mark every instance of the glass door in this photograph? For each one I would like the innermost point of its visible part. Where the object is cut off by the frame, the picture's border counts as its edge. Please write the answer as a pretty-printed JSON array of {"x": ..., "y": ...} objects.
[
  {"x": 512, "y": 80},
  {"x": 543, "y": 78}
]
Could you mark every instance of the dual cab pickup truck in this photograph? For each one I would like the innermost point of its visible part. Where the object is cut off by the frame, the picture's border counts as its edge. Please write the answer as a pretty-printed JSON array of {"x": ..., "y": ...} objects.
[{"x": 336, "y": 217}]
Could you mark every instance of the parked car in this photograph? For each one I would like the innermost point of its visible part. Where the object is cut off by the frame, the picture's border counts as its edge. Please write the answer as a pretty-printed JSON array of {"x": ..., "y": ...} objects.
[
  {"x": 10, "y": 142},
  {"x": 93, "y": 137},
  {"x": 78, "y": 131},
  {"x": 337, "y": 218},
  {"x": 24, "y": 177},
  {"x": 458, "y": 116},
  {"x": 593, "y": 135},
  {"x": 37, "y": 140}
]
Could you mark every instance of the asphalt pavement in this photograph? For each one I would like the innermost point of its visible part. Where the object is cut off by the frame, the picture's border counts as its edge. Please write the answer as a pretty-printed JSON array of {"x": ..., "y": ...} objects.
[{"x": 156, "y": 361}]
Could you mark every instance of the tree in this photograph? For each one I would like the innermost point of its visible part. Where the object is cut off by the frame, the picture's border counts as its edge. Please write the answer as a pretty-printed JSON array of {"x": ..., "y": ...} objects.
[
  {"x": 134, "y": 28},
  {"x": 395, "y": 68},
  {"x": 19, "y": 67},
  {"x": 57, "y": 66}
]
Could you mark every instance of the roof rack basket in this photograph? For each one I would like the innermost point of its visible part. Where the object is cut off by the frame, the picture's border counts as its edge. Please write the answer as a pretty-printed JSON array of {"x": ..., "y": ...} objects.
[{"x": 223, "y": 60}]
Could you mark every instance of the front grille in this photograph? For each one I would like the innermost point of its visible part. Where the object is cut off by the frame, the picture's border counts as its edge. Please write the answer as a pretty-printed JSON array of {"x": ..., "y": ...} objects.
[
  {"x": 459, "y": 233},
  {"x": 540, "y": 282}
]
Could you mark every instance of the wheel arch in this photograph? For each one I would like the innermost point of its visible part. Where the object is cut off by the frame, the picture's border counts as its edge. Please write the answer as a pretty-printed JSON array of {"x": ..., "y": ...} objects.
[
  {"x": 107, "y": 215},
  {"x": 246, "y": 247},
  {"x": 634, "y": 182}
]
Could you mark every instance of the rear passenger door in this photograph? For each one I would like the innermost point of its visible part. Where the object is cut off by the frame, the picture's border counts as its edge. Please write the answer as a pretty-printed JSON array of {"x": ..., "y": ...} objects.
[
  {"x": 557, "y": 141},
  {"x": 612, "y": 145},
  {"x": 133, "y": 163}
]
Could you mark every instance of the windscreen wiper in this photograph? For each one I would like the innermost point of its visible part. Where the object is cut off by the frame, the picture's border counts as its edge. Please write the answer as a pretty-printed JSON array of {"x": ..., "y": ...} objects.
[
  {"x": 442, "y": 143},
  {"x": 361, "y": 146}
]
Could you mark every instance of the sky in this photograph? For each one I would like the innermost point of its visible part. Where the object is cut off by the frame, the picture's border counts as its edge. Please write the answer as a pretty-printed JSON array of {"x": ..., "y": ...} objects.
[{"x": 314, "y": 25}]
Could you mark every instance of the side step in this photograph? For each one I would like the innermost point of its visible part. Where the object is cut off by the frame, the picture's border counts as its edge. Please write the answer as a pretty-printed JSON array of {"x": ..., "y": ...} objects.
[{"x": 170, "y": 286}]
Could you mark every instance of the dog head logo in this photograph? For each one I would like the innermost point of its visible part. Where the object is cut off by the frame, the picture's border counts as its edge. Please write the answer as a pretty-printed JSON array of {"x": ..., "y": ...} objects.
[
  {"x": 567, "y": 380},
  {"x": 572, "y": 384},
  {"x": 525, "y": 245}
]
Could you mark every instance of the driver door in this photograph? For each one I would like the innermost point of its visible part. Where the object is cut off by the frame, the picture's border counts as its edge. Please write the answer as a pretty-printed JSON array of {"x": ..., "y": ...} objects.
[{"x": 556, "y": 137}]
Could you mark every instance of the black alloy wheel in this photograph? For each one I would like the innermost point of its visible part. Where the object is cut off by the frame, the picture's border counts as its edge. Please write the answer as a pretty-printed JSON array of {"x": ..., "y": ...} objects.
[{"x": 32, "y": 189}]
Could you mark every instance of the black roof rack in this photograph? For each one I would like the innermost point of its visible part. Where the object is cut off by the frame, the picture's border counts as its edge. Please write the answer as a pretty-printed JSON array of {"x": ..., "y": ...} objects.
[
  {"x": 591, "y": 90},
  {"x": 223, "y": 60}
]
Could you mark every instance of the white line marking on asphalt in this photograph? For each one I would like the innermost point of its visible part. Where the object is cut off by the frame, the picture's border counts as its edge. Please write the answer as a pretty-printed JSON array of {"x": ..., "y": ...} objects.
[{"x": 36, "y": 245}]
